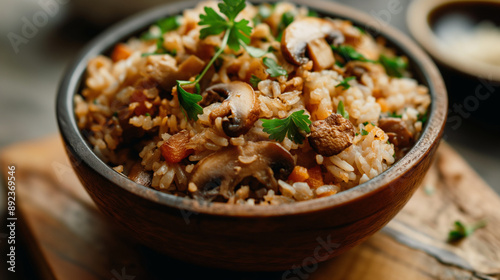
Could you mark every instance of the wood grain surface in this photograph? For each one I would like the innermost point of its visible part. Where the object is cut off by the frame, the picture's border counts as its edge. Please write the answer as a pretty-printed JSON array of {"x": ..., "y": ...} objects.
[{"x": 70, "y": 239}]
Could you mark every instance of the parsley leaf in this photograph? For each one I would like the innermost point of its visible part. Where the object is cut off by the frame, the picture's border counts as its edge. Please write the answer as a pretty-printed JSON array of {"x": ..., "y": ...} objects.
[
  {"x": 422, "y": 117},
  {"x": 254, "y": 52},
  {"x": 341, "y": 110},
  {"x": 345, "y": 83},
  {"x": 461, "y": 230},
  {"x": 189, "y": 101},
  {"x": 364, "y": 132},
  {"x": 348, "y": 53},
  {"x": 286, "y": 19},
  {"x": 165, "y": 25},
  {"x": 273, "y": 68},
  {"x": 312, "y": 13},
  {"x": 394, "y": 115},
  {"x": 293, "y": 126},
  {"x": 239, "y": 31},
  {"x": 394, "y": 66},
  {"x": 254, "y": 81}
]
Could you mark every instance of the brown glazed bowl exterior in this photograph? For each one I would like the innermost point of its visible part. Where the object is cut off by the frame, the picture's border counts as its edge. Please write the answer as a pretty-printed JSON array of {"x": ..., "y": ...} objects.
[{"x": 241, "y": 237}]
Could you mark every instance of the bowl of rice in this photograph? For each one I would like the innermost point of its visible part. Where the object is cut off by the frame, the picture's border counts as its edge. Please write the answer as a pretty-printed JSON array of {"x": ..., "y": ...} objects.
[{"x": 251, "y": 136}]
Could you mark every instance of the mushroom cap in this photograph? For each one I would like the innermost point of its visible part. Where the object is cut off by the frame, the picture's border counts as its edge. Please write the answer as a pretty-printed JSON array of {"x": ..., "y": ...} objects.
[
  {"x": 332, "y": 135},
  {"x": 240, "y": 109},
  {"x": 300, "y": 33},
  {"x": 222, "y": 171}
]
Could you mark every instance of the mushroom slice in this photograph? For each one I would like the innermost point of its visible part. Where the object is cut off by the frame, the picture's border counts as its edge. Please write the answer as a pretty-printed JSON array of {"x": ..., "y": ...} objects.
[
  {"x": 398, "y": 132},
  {"x": 139, "y": 175},
  {"x": 306, "y": 33},
  {"x": 332, "y": 135},
  {"x": 221, "y": 172},
  {"x": 239, "y": 110}
]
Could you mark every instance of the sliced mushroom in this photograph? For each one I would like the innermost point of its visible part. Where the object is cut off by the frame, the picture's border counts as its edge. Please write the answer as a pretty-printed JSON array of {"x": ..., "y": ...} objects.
[
  {"x": 139, "y": 175},
  {"x": 221, "y": 172},
  {"x": 239, "y": 110},
  {"x": 358, "y": 68},
  {"x": 164, "y": 69},
  {"x": 312, "y": 34},
  {"x": 332, "y": 135},
  {"x": 398, "y": 132}
]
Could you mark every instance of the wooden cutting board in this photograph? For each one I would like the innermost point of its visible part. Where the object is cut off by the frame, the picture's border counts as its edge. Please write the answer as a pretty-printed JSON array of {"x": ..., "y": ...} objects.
[{"x": 68, "y": 238}]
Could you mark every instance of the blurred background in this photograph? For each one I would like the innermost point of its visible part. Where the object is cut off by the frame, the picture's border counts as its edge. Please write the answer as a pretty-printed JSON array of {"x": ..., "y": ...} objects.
[{"x": 31, "y": 69}]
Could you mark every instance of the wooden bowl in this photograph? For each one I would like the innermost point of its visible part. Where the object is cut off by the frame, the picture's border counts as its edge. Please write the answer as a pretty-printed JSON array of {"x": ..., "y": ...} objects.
[
  {"x": 242, "y": 237},
  {"x": 440, "y": 26}
]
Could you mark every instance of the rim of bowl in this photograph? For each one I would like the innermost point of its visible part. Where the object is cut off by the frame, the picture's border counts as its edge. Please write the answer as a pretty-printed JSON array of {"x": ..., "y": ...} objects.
[
  {"x": 76, "y": 144},
  {"x": 418, "y": 23}
]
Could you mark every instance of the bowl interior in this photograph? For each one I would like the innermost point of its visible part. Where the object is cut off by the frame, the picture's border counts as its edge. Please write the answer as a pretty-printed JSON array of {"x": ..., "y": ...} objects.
[{"x": 422, "y": 67}]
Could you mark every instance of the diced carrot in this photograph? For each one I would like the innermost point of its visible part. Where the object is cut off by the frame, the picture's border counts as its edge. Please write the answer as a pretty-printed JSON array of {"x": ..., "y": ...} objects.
[
  {"x": 139, "y": 97},
  {"x": 315, "y": 177},
  {"x": 120, "y": 52},
  {"x": 328, "y": 193},
  {"x": 299, "y": 174},
  {"x": 383, "y": 104},
  {"x": 174, "y": 149}
]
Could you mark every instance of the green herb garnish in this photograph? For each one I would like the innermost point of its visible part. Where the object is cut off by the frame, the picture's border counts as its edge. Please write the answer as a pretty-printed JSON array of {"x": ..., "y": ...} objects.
[
  {"x": 312, "y": 13},
  {"x": 345, "y": 83},
  {"x": 341, "y": 110},
  {"x": 461, "y": 230},
  {"x": 422, "y": 117},
  {"x": 254, "y": 52},
  {"x": 254, "y": 81},
  {"x": 148, "y": 115},
  {"x": 293, "y": 127},
  {"x": 236, "y": 34},
  {"x": 394, "y": 66},
  {"x": 165, "y": 25},
  {"x": 348, "y": 53},
  {"x": 364, "y": 132},
  {"x": 394, "y": 115},
  {"x": 286, "y": 19},
  {"x": 273, "y": 68}
]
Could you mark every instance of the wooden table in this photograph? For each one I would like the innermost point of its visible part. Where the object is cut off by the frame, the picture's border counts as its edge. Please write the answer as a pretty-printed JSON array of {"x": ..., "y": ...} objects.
[{"x": 68, "y": 238}]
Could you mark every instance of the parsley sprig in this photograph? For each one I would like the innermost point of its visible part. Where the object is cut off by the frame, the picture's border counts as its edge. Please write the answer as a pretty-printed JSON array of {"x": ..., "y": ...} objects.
[
  {"x": 292, "y": 127},
  {"x": 273, "y": 68},
  {"x": 237, "y": 34},
  {"x": 345, "y": 83},
  {"x": 394, "y": 66},
  {"x": 165, "y": 25},
  {"x": 348, "y": 53},
  {"x": 461, "y": 230},
  {"x": 341, "y": 110}
]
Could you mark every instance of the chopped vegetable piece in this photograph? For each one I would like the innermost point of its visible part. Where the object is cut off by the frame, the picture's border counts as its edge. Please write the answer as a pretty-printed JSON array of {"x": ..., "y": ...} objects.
[
  {"x": 345, "y": 83},
  {"x": 254, "y": 81},
  {"x": 315, "y": 179},
  {"x": 341, "y": 110},
  {"x": 461, "y": 230},
  {"x": 120, "y": 52},
  {"x": 348, "y": 53},
  {"x": 293, "y": 126},
  {"x": 174, "y": 149},
  {"x": 299, "y": 174},
  {"x": 273, "y": 68},
  {"x": 286, "y": 19},
  {"x": 394, "y": 66},
  {"x": 364, "y": 132}
]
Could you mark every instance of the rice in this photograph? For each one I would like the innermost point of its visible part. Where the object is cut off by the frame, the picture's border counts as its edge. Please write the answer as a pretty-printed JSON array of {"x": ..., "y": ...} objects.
[{"x": 131, "y": 117}]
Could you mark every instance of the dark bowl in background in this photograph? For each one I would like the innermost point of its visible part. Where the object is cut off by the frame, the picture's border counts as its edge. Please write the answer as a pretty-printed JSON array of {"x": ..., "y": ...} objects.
[
  {"x": 473, "y": 86},
  {"x": 241, "y": 237}
]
